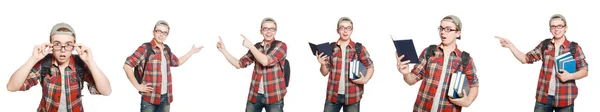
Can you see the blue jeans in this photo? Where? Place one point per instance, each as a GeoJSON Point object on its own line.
{"type": "Point", "coordinates": [162, 107]}
{"type": "Point", "coordinates": [260, 104]}
{"type": "Point", "coordinates": [337, 106]}
{"type": "Point", "coordinates": [549, 106]}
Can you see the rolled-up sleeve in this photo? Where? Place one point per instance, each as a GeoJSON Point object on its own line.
{"type": "Point", "coordinates": [534, 55]}
{"type": "Point", "coordinates": [134, 59]}
{"type": "Point", "coordinates": [91, 83]}
{"type": "Point", "coordinates": [277, 54]}
{"type": "Point", "coordinates": [32, 78]}
{"type": "Point", "coordinates": [419, 69]}
{"type": "Point", "coordinates": [470, 72]}
{"type": "Point", "coordinates": [246, 60]}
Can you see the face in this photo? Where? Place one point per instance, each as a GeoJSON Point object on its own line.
{"type": "Point", "coordinates": [268, 30]}
{"type": "Point", "coordinates": [62, 47]}
{"type": "Point", "coordinates": [160, 33]}
{"type": "Point", "coordinates": [448, 32]}
{"type": "Point", "coordinates": [345, 30]}
{"type": "Point", "coordinates": [558, 28]}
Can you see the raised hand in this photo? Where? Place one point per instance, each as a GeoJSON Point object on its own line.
{"type": "Point", "coordinates": [220, 44]}
{"type": "Point", "coordinates": [323, 59]}
{"type": "Point", "coordinates": [504, 42]}
{"type": "Point", "coordinates": [84, 52]}
{"type": "Point", "coordinates": [402, 65]}
{"type": "Point", "coordinates": [246, 42]}
{"type": "Point", "coordinates": [196, 49]}
{"type": "Point", "coordinates": [40, 51]}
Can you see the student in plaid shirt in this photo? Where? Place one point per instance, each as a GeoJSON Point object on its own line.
{"type": "Point", "coordinates": [156, 85]}
{"type": "Point", "coordinates": [267, 87]}
{"type": "Point", "coordinates": [343, 92]}
{"type": "Point", "coordinates": [556, 89]}
{"type": "Point", "coordinates": [436, 71]}
{"type": "Point", "coordinates": [60, 87]}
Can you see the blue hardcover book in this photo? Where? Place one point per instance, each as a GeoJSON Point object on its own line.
{"type": "Point", "coordinates": [569, 66]}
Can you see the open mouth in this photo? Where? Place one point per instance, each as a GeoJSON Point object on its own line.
{"type": "Point", "coordinates": [62, 57]}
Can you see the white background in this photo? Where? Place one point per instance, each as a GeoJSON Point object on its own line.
{"type": "Point", "coordinates": [208, 83]}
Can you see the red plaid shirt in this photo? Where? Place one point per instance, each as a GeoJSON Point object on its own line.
{"type": "Point", "coordinates": [353, 92]}
{"type": "Point", "coordinates": [430, 72]}
{"type": "Point", "coordinates": [566, 92]}
{"type": "Point", "coordinates": [52, 87]}
{"type": "Point", "coordinates": [274, 80]}
{"type": "Point", "coordinates": [152, 73]}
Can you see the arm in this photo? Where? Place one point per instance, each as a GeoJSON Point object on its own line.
{"type": "Point", "coordinates": [98, 83]}
{"type": "Point", "coordinates": [531, 56]}
{"type": "Point", "coordinates": [365, 59]}
{"type": "Point", "coordinates": [325, 69]}
{"type": "Point", "coordinates": [24, 78]}
{"type": "Point", "coordinates": [259, 56]}
{"type": "Point", "coordinates": [518, 54]}
{"type": "Point", "coordinates": [245, 60]}
{"type": "Point", "coordinates": [185, 57]}
{"type": "Point", "coordinates": [418, 70]}
{"type": "Point", "coordinates": [470, 72]}
{"type": "Point", "coordinates": [472, 95]}
{"type": "Point", "coordinates": [132, 61]}
{"type": "Point", "coordinates": [582, 68]}
{"type": "Point", "coordinates": [272, 58]}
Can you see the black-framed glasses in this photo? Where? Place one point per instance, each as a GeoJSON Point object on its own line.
{"type": "Point", "coordinates": [341, 28]}
{"type": "Point", "coordinates": [557, 26]}
{"type": "Point", "coordinates": [268, 29]}
{"type": "Point", "coordinates": [446, 29]}
{"type": "Point", "coordinates": [58, 47]}
{"type": "Point", "coordinates": [165, 33]}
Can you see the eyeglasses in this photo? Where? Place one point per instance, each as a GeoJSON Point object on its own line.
{"type": "Point", "coordinates": [557, 26]}
{"type": "Point", "coordinates": [268, 29]}
{"type": "Point", "coordinates": [341, 28]}
{"type": "Point", "coordinates": [164, 33]}
{"type": "Point", "coordinates": [446, 29]}
{"type": "Point", "coordinates": [58, 47]}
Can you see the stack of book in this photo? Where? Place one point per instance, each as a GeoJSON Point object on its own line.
{"type": "Point", "coordinates": [458, 83]}
{"type": "Point", "coordinates": [565, 62]}
{"type": "Point", "coordinates": [357, 69]}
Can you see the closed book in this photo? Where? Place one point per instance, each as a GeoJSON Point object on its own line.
{"type": "Point", "coordinates": [406, 47]}
{"type": "Point", "coordinates": [569, 66]}
{"type": "Point", "coordinates": [356, 69]}
{"type": "Point", "coordinates": [458, 83]}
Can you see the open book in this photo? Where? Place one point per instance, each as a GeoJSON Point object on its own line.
{"type": "Point", "coordinates": [458, 83]}
{"type": "Point", "coordinates": [324, 48]}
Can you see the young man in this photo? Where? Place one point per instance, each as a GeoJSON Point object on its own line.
{"type": "Point", "coordinates": [436, 71]}
{"type": "Point", "coordinates": [342, 92]}
{"type": "Point", "coordinates": [556, 89]}
{"type": "Point", "coordinates": [267, 87]}
{"type": "Point", "coordinates": [155, 60]}
{"type": "Point", "coordinates": [60, 73]}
